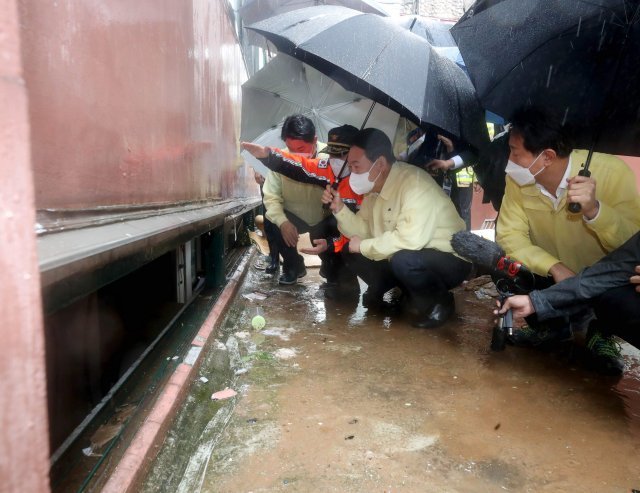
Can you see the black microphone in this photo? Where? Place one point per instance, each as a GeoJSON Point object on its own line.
{"type": "Point", "coordinates": [509, 276]}
{"type": "Point", "coordinates": [477, 249]}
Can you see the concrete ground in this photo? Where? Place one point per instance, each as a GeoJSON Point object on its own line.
{"type": "Point", "coordinates": [333, 398]}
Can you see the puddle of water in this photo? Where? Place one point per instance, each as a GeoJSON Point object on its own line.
{"type": "Point", "coordinates": [369, 403]}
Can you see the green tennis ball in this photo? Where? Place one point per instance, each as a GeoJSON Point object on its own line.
{"type": "Point", "coordinates": [258, 322]}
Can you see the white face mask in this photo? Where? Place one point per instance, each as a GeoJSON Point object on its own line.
{"type": "Point", "coordinates": [336, 165]}
{"type": "Point", "coordinates": [360, 183]}
{"type": "Point", "coordinates": [522, 176]}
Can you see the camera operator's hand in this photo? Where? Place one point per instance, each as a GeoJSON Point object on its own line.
{"type": "Point", "coordinates": [520, 306]}
{"type": "Point", "coordinates": [636, 279]}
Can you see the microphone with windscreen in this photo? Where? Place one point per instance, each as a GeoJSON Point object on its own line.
{"type": "Point", "coordinates": [510, 276]}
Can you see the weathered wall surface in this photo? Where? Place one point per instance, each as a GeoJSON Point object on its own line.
{"type": "Point", "coordinates": [24, 444]}
{"type": "Point", "coordinates": [132, 102]}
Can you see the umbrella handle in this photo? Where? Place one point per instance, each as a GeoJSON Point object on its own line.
{"type": "Point", "coordinates": [575, 207]}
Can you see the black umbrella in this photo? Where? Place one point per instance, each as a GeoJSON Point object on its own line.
{"type": "Point", "coordinates": [579, 57]}
{"type": "Point", "coordinates": [435, 32]}
{"type": "Point", "coordinates": [374, 57]}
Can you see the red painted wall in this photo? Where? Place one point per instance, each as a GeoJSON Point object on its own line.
{"type": "Point", "coordinates": [132, 102]}
{"type": "Point", "coordinates": [24, 442]}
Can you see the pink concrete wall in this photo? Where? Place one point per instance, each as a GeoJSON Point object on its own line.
{"type": "Point", "coordinates": [24, 443]}
{"type": "Point", "coordinates": [634, 164]}
{"type": "Point", "coordinates": [132, 102]}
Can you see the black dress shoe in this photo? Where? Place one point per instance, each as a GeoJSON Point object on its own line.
{"type": "Point", "coordinates": [291, 276]}
{"type": "Point", "coordinates": [441, 311]}
{"type": "Point", "coordinates": [273, 267]}
{"type": "Point", "coordinates": [288, 277]}
{"type": "Point", "coordinates": [372, 298]}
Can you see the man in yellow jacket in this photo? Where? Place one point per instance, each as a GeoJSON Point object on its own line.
{"type": "Point", "coordinates": [401, 236]}
{"type": "Point", "coordinates": [535, 225]}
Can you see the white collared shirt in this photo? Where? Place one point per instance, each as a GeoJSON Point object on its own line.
{"type": "Point", "coordinates": [560, 191]}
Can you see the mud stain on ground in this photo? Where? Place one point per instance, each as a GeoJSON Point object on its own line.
{"type": "Point", "coordinates": [364, 402]}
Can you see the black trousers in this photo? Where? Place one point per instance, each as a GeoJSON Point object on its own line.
{"type": "Point", "coordinates": [272, 231]}
{"type": "Point", "coordinates": [618, 313]}
{"type": "Point", "coordinates": [291, 259]}
{"type": "Point", "coordinates": [424, 275]}
{"type": "Point", "coordinates": [462, 198]}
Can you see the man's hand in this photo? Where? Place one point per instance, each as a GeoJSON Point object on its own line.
{"type": "Point", "coordinates": [258, 178]}
{"type": "Point", "coordinates": [560, 272]}
{"type": "Point", "coordinates": [256, 150]}
{"type": "Point", "coordinates": [354, 244]}
{"type": "Point", "coordinates": [520, 306]}
{"type": "Point", "coordinates": [332, 197]}
{"type": "Point", "coordinates": [636, 279]}
{"type": "Point", "coordinates": [439, 164]}
{"type": "Point", "coordinates": [582, 190]}
{"type": "Point", "coordinates": [320, 246]}
{"type": "Point", "coordinates": [448, 143]}
{"type": "Point", "coordinates": [289, 233]}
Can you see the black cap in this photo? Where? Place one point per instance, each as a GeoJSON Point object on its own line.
{"type": "Point", "coordinates": [339, 139]}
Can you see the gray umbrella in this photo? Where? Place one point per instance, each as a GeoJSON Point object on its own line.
{"type": "Point", "coordinates": [286, 86]}
{"type": "Point", "coordinates": [257, 10]}
{"type": "Point", "coordinates": [374, 57]}
{"type": "Point", "coordinates": [435, 32]}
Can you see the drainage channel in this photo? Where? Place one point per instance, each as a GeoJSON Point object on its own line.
{"type": "Point", "coordinates": [86, 459]}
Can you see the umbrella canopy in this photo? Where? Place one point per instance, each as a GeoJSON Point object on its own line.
{"type": "Point", "coordinates": [257, 10]}
{"type": "Point", "coordinates": [576, 56]}
{"type": "Point", "coordinates": [374, 57]}
{"type": "Point", "coordinates": [435, 32]}
{"type": "Point", "coordinates": [286, 86]}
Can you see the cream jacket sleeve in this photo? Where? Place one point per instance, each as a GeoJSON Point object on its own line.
{"type": "Point", "coordinates": [273, 199]}
{"type": "Point", "coordinates": [356, 224]}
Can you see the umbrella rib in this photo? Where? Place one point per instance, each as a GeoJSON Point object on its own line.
{"type": "Point", "coordinates": [375, 60]}
{"type": "Point", "coordinates": [283, 98]}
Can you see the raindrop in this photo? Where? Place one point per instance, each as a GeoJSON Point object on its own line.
{"type": "Point", "coordinates": [549, 75]}
{"type": "Point", "coordinates": [579, 26]}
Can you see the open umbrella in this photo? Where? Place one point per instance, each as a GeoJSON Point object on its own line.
{"type": "Point", "coordinates": [372, 56]}
{"type": "Point", "coordinates": [579, 57]}
{"type": "Point", "coordinates": [435, 32]}
{"type": "Point", "coordinates": [257, 10]}
{"type": "Point", "coordinates": [286, 86]}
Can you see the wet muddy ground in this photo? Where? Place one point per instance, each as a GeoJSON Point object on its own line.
{"type": "Point", "coordinates": [333, 398]}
